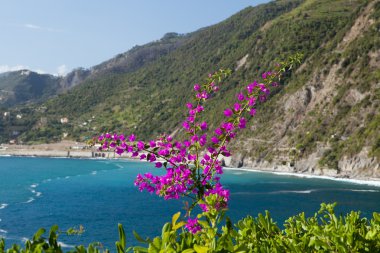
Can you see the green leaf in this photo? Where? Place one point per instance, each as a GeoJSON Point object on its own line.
{"type": "Point", "coordinates": [156, 244]}
{"type": "Point", "coordinates": [204, 223]}
{"type": "Point", "coordinates": [200, 249]}
{"type": "Point", "coordinates": [139, 238]}
{"type": "Point", "coordinates": [179, 225]}
{"type": "Point", "coordinates": [122, 239]}
{"type": "Point", "coordinates": [371, 235]}
{"type": "Point", "coordinates": [175, 218]}
{"type": "Point", "coordinates": [376, 217]}
{"type": "Point", "coordinates": [140, 249]}
{"type": "Point", "coordinates": [166, 228]}
{"type": "Point", "coordinates": [38, 234]}
{"type": "Point", "coordinates": [188, 251]}
{"type": "Point", "coordinates": [119, 247]}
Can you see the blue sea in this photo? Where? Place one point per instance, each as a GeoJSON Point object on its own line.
{"type": "Point", "coordinates": [99, 194]}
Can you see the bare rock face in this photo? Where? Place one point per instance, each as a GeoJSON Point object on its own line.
{"type": "Point", "coordinates": [74, 78]}
{"type": "Point", "coordinates": [236, 161]}
{"type": "Point", "coordinates": [299, 100]}
{"type": "Point", "coordinates": [360, 166]}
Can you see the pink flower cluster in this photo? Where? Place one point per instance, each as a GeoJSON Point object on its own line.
{"type": "Point", "coordinates": [193, 226]}
{"type": "Point", "coordinates": [193, 165]}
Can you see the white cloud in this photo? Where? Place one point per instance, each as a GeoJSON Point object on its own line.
{"type": "Point", "coordinates": [7, 68]}
{"type": "Point", "coordinates": [62, 70]}
{"type": "Point", "coordinates": [37, 27]}
{"type": "Point", "coordinates": [31, 26]}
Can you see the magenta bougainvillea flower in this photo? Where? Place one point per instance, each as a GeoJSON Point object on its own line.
{"type": "Point", "coordinates": [193, 165]}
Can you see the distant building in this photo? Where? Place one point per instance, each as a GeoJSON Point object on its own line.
{"type": "Point", "coordinates": [7, 114]}
{"type": "Point", "coordinates": [19, 116]}
{"type": "Point", "coordinates": [64, 120]}
{"type": "Point", "coordinates": [12, 141]}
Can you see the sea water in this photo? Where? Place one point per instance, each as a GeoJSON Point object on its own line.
{"type": "Point", "coordinates": [99, 194]}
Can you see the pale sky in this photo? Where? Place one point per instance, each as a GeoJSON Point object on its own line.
{"type": "Point", "coordinates": [55, 36]}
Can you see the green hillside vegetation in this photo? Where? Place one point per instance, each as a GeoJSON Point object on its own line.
{"type": "Point", "coordinates": [26, 86]}
{"type": "Point", "coordinates": [329, 103]}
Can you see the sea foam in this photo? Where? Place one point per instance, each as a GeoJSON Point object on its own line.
{"type": "Point", "coordinates": [31, 199]}
{"type": "Point", "coordinates": [3, 205]}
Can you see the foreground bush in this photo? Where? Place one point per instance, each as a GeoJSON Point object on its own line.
{"type": "Point", "coordinates": [323, 232]}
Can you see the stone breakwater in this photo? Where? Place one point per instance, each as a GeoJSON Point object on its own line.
{"type": "Point", "coordinates": [62, 149]}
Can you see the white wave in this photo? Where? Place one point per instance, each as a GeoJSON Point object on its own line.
{"type": "Point", "coordinates": [38, 194]}
{"type": "Point", "coordinates": [5, 155]}
{"type": "Point", "coordinates": [31, 199]}
{"type": "Point", "coordinates": [298, 192]}
{"type": "Point", "coordinates": [274, 192]}
{"type": "Point", "coordinates": [67, 177]}
{"type": "Point", "coordinates": [33, 185]}
{"type": "Point", "coordinates": [2, 231]}
{"type": "Point", "coordinates": [3, 205]}
{"type": "Point", "coordinates": [238, 173]}
{"type": "Point", "coordinates": [64, 245]}
{"type": "Point", "coordinates": [33, 191]}
{"type": "Point", "coordinates": [94, 172]}
{"type": "Point", "coordinates": [355, 190]}
{"type": "Point", "coordinates": [374, 182]}
{"type": "Point", "coordinates": [46, 180]}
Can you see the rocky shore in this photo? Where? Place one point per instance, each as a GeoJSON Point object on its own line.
{"type": "Point", "coordinates": [360, 167]}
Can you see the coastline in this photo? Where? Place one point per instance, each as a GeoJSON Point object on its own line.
{"type": "Point", "coordinates": [69, 149]}
{"type": "Point", "coordinates": [362, 181]}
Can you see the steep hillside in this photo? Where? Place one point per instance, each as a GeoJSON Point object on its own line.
{"type": "Point", "coordinates": [324, 119]}
{"type": "Point", "coordinates": [26, 86]}
{"type": "Point", "coordinates": [327, 119]}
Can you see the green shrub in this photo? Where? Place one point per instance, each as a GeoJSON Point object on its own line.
{"type": "Point", "coordinates": [322, 232]}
